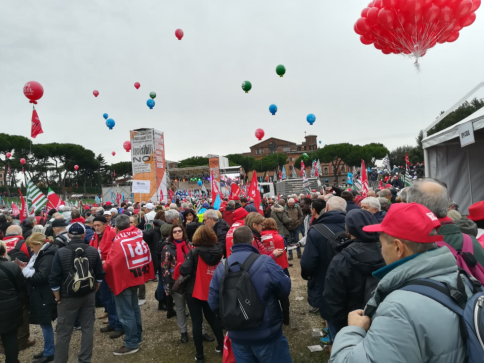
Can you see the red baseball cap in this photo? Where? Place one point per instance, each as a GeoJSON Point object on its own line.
{"type": "Point", "coordinates": [240, 213]}
{"type": "Point", "coordinates": [409, 221]}
{"type": "Point", "coordinates": [476, 211]}
{"type": "Point", "coordinates": [108, 203]}
{"type": "Point", "coordinates": [388, 186]}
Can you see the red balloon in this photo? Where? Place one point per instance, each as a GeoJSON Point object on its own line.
{"type": "Point", "coordinates": [457, 27]}
{"type": "Point", "coordinates": [402, 5]}
{"type": "Point", "coordinates": [127, 146]}
{"type": "Point", "coordinates": [467, 20]}
{"type": "Point", "coordinates": [136, 85]}
{"type": "Point", "coordinates": [259, 133]}
{"type": "Point", "coordinates": [8, 155]}
{"type": "Point", "coordinates": [372, 16]}
{"type": "Point", "coordinates": [453, 37]}
{"type": "Point", "coordinates": [386, 18]}
{"type": "Point", "coordinates": [364, 12]}
{"type": "Point", "coordinates": [357, 31]}
{"type": "Point", "coordinates": [378, 46]}
{"type": "Point", "coordinates": [95, 93]}
{"type": "Point", "coordinates": [390, 4]}
{"type": "Point", "coordinates": [475, 5]}
{"type": "Point", "coordinates": [378, 4]}
{"type": "Point", "coordinates": [409, 28]}
{"type": "Point", "coordinates": [414, 6]}
{"type": "Point", "coordinates": [33, 91]}
{"type": "Point", "coordinates": [76, 167]}
{"type": "Point", "coordinates": [431, 13]}
{"type": "Point", "coordinates": [426, 3]}
{"type": "Point", "coordinates": [463, 8]}
{"type": "Point", "coordinates": [446, 14]}
{"type": "Point", "coordinates": [114, 153]}
{"type": "Point", "coordinates": [386, 51]}
{"type": "Point", "coordinates": [439, 3]}
{"type": "Point", "coordinates": [179, 34]}
{"type": "Point", "coordinates": [22, 161]}
{"type": "Point", "coordinates": [362, 25]}
{"type": "Point", "coordinates": [365, 41]}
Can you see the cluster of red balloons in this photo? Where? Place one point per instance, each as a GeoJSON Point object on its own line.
{"type": "Point", "coordinates": [412, 27]}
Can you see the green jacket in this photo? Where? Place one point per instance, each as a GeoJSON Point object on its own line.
{"type": "Point", "coordinates": [453, 236]}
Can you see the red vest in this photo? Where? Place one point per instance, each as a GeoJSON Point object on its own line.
{"type": "Point", "coordinates": [202, 279]}
{"type": "Point", "coordinates": [271, 241]}
{"type": "Point", "coordinates": [129, 261]}
{"type": "Point", "coordinates": [229, 239]}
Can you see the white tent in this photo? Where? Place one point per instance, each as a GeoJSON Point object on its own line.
{"type": "Point", "coordinates": [461, 168]}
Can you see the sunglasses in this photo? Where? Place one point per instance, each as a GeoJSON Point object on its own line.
{"type": "Point", "coordinates": [178, 231]}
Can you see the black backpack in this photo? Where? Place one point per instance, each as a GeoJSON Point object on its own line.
{"type": "Point", "coordinates": [80, 280]}
{"type": "Point", "coordinates": [338, 241]}
{"type": "Point", "coordinates": [17, 253]}
{"type": "Point", "coordinates": [240, 307]}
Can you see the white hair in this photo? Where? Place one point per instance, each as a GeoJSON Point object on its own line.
{"type": "Point", "coordinates": [173, 206]}
{"type": "Point", "coordinates": [171, 215]}
{"type": "Point", "coordinates": [291, 200]}
{"type": "Point", "coordinates": [131, 209]}
{"type": "Point", "coordinates": [38, 228]}
{"type": "Point", "coordinates": [336, 203]}
{"type": "Point", "coordinates": [372, 202]}
{"type": "Point", "coordinates": [328, 196]}
{"type": "Point", "coordinates": [211, 213]}
{"type": "Point", "coordinates": [67, 209]}
{"type": "Point", "coordinates": [185, 205]}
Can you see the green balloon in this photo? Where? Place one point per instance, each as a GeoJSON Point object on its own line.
{"type": "Point", "coordinates": [280, 70]}
{"type": "Point", "coordinates": [246, 86]}
{"type": "Point", "coordinates": [153, 95]}
{"type": "Point", "coordinates": [305, 156]}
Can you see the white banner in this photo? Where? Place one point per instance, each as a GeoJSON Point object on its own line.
{"type": "Point", "coordinates": [140, 186]}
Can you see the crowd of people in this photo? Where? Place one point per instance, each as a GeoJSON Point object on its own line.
{"type": "Point", "coordinates": [230, 270]}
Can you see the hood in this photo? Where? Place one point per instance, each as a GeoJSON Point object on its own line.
{"type": "Point", "coordinates": [211, 255]}
{"type": "Point", "coordinates": [467, 226]}
{"type": "Point", "coordinates": [364, 256]}
{"type": "Point", "coordinates": [331, 217]}
{"type": "Point", "coordinates": [277, 208]}
{"type": "Point", "coordinates": [50, 249]}
{"type": "Point", "coordinates": [356, 219]}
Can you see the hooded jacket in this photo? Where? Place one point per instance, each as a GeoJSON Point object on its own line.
{"type": "Point", "coordinates": [315, 259]}
{"type": "Point", "coordinates": [349, 274]}
{"type": "Point", "coordinates": [380, 215]}
{"type": "Point", "coordinates": [282, 219]}
{"type": "Point", "coordinates": [453, 236]}
{"type": "Point", "coordinates": [210, 254]}
{"type": "Point", "coordinates": [228, 216]}
{"type": "Point", "coordinates": [406, 326]}
{"type": "Point", "coordinates": [467, 226]}
{"type": "Point", "coordinates": [271, 285]}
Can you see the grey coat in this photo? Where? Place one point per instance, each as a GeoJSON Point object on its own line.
{"type": "Point", "coordinates": [279, 214]}
{"type": "Point", "coordinates": [407, 326]}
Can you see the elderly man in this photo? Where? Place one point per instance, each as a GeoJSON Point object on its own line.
{"type": "Point", "coordinates": [149, 213]}
{"type": "Point", "coordinates": [114, 215]}
{"type": "Point", "coordinates": [373, 206]}
{"type": "Point", "coordinates": [386, 193]}
{"type": "Point", "coordinates": [29, 223]}
{"type": "Point", "coordinates": [68, 307]}
{"type": "Point", "coordinates": [435, 197]}
{"type": "Point", "coordinates": [399, 325]}
{"type": "Point", "coordinates": [107, 215]}
{"type": "Point", "coordinates": [371, 193]}
{"type": "Point", "coordinates": [219, 226]}
{"type": "Point", "coordinates": [61, 238]}
{"type": "Point", "coordinates": [318, 254]}
{"type": "Point", "coordinates": [172, 217]}
{"type": "Point", "coordinates": [384, 204]}
{"type": "Point", "coordinates": [295, 214]}
{"type": "Point", "coordinates": [404, 194]}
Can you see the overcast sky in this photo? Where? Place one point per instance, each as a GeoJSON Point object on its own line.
{"type": "Point", "coordinates": [358, 94]}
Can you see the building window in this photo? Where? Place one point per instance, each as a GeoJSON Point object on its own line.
{"type": "Point", "coordinates": [291, 159]}
{"type": "Point", "coordinates": [1, 182]}
{"type": "Point", "coordinates": [286, 149]}
{"type": "Point", "coordinates": [326, 171]}
{"type": "Point", "coordinates": [259, 151]}
{"type": "Point", "coordinates": [272, 147]}
{"type": "Point", "coordinates": [1, 175]}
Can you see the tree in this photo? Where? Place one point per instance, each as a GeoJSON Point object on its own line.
{"type": "Point", "coordinates": [123, 169]}
{"type": "Point", "coordinates": [193, 161]}
{"type": "Point", "coordinates": [248, 163]}
{"type": "Point", "coordinates": [12, 144]}
{"type": "Point", "coordinates": [460, 113]}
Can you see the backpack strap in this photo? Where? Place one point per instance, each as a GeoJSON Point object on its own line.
{"type": "Point", "coordinates": [325, 232]}
{"type": "Point", "coordinates": [19, 243]}
{"type": "Point", "coordinates": [250, 261]}
{"type": "Point", "coordinates": [452, 249]}
{"type": "Point", "coordinates": [467, 244]}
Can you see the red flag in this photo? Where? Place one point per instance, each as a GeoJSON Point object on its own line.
{"type": "Point", "coordinates": [36, 125]}
{"type": "Point", "coordinates": [23, 210]}
{"type": "Point", "coordinates": [364, 180]}
{"type": "Point", "coordinates": [170, 194]}
{"type": "Point", "coordinates": [15, 210]}
{"type": "Point", "coordinates": [215, 189]}
{"type": "Point", "coordinates": [407, 161]}
{"type": "Point", "coordinates": [303, 168]}
{"type": "Point", "coordinates": [380, 186]}
{"type": "Point", "coordinates": [234, 191]}
{"type": "Point", "coordinates": [114, 173]}
{"type": "Point", "coordinates": [255, 194]}
{"type": "Point", "coordinates": [53, 200]}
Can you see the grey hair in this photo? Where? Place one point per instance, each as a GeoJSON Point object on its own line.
{"type": "Point", "coordinates": [131, 209]}
{"type": "Point", "coordinates": [328, 197]}
{"type": "Point", "coordinates": [90, 219]}
{"type": "Point", "coordinates": [372, 202]}
{"type": "Point", "coordinates": [291, 200]}
{"type": "Point", "coordinates": [383, 203]}
{"type": "Point", "coordinates": [38, 228]}
{"type": "Point", "coordinates": [314, 195]}
{"type": "Point", "coordinates": [385, 193]}
{"type": "Point", "coordinates": [171, 215]}
{"type": "Point", "coordinates": [122, 222]}
{"type": "Point", "coordinates": [100, 209]}
{"type": "Point", "coordinates": [67, 209]}
{"type": "Point", "coordinates": [75, 213]}
{"type": "Point", "coordinates": [415, 247]}
{"type": "Point", "coordinates": [437, 202]}
{"type": "Point", "coordinates": [29, 221]}
{"type": "Point", "coordinates": [336, 203]}
{"type": "Point", "coordinates": [404, 194]}
{"type": "Point", "coordinates": [13, 230]}
{"type": "Point", "coordinates": [185, 205]}
{"type": "Point", "coordinates": [243, 234]}
{"type": "Point", "coordinates": [173, 206]}
{"type": "Point", "coordinates": [211, 213]}
{"type": "Point", "coordinates": [231, 203]}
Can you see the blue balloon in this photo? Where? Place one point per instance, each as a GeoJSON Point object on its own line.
{"type": "Point", "coordinates": [273, 109]}
{"type": "Point", "coordinates": [110, 123]}
{"type": "Point", "coordinates": [105, 116]}
{"type": "Point", "coordinates": [150, 103]}
{"type": "Point", "coordinates": [325, 180]}
{"type": "Point", "coordinates": [199, 183]}
{"type": "Point", "coordinates": [320, 141]}
{"type": "Point", "coordinates": [311, 118]}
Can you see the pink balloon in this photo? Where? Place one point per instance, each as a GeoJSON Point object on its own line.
{"type": "Point", "coordinates": [463, 8]}
{"type": "Point", "coordinates": [431, 13]}
{"type": "Point", "coordinates": [113, 153]}
{"type": "Point", "coordinates": [33, 91]}
{"type": "Point", "coordinates": [475, 5]}
{"type": "Point", "coordinates": [127, 146]}
{"type": "Point", "coordinates": [179, 34]}
{"type": "Point", "coordinates": [259, 133]}
{"type": "Point", "coordinates": [22, 161]}
{"type": "Point", "coordinates": [453, 37]}
{"type": "Point", "coordinates": [8, 155]}
{"type": "Point", "coordinates": [76, 167]}
{"type": "Point", "coordinates": [95, 93]}
{"type": "Point", "coordinates": [468, 19]}
{"type": "Point", "coordinates": [136, 85]}
{"type": "Point", "coordinates": [446, 14]}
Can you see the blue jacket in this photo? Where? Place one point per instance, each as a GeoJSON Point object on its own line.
{"type": "Point", "coordinates": [89, 234]}
{"type": "Point", "coordinates": [351, 205]}
{"type": "Point", "coordinates": [271, 285]}
{"type": "Point", "coordinates": [315, 260]}
{"type": "Point", "coordinates": [250, 207]}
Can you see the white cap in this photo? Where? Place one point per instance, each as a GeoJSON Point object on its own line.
{"type": "Point", "coordinates": [113, 210]}
{"type": "Point", "coordinates": [106, 212]}
{"type": "Point", "coordinates": [149, 206]}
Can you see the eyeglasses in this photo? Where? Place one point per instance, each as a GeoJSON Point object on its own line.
{"type": "Point", "coordinates": [178, 231]}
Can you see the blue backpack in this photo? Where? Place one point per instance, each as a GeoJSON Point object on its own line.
{"type": "Point", "coordinates": [470, 311]}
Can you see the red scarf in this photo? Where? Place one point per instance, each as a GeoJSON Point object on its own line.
{"type": "Point", "coordinates": [181, 251]}
{"type": "Point", "coordinates": [80, 220]}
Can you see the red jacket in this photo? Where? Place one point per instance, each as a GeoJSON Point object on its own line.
{"type": "Point", "coordinates": [129, 261]}
{"type": "Point", "coordinates": [106, 241]}
{"type": "Point", "coordinates": [228, 217]}
{"type": "Point", "coordinates": [229, 238]}
{"type": "Point", "coordinates": [272, 240]}
{"type": "Point", "coordinates": [11, 242]}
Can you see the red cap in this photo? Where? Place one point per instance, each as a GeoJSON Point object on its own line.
{"type": "Point", "coordinates": [388, 186]}
{"type": "Point", "coordinates": [240, 213]}
{"type": "Point", "coordinates": [476, 211]}
{"type": "Point", "coordinates": [108, 203]}
{"type": "Point", "coordinates": [412, 222]}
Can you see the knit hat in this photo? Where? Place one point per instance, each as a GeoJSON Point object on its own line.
{"type": "Point", "coordinates": [59, 223]}
{"type": "Point", "coordinates": [100, 219]}
{"type": "Point", "coordinates": [240, 213]}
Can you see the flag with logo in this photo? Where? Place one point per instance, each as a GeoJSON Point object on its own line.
{"type": "Point", "coordinates": [15, 209]}
{"type": "Point", "coordinates": [313, 169]}
{"type": "Point", "coordinates": [36, 200]}
{"type": "Point", "coordinates": [36, 125]}
{"type": "Point", "coordinates": [408, 178]}
{"type": "Point", "coordinates": [23, 209]}
{"type": "Point", "coordinates": [254, 193]}
{"type": "Point", "coordinates": [305, 185]}
{"type": "Point", "coordinates": [293, 173]}
{"type": "Point", "coordinates": [234, 191]}
{"type": "Point", "coordinates": [216, 200]}
{"type": "Point", "coordinates": [320, 171]}
{"type": "Point", "coordinates": [350, 178]}
{"type": "Point", "coordinates": [386, 164]}
{"type": "Point", "coordinates": [303, 169]}
{"type": "Point", "coordinates": [54, 201]}
{"type": "Point", "coordinates": [364, 180]}
{"type": "Point", "coordinates": [284, 176]}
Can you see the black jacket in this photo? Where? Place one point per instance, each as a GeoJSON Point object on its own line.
{"type": "Point", "coordinates": [316, 259]}
{"type": "Point", "coordinates": [61, 240]}
{"type": "Point", "coordinates": [221, 228]}
{"type": "Point", "coordinates": [380, 215]}
{"type": "Point", "coordinates": [61, 265]}
{"type": "Point", "coordinates": [26, 231]}
{"type": "Point", "coordinates": [152, 237]}
{"type": "Point", "coordinates": [43, 308]}
{"type": "Point", "coordinates": [4, 226]}
{"type": "Point", "coordinates": [350, 205]}
{"type": "Point", "coordinates": [210, 254]}
{"type": "Point", "coordinates": [12, 295]}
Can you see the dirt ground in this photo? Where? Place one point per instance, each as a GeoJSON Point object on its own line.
{"type": "Point", "coordinates": [161, 337]}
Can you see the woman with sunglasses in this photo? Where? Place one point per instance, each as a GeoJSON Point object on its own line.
{"type": "Point", "coordinates": [174, 253]}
